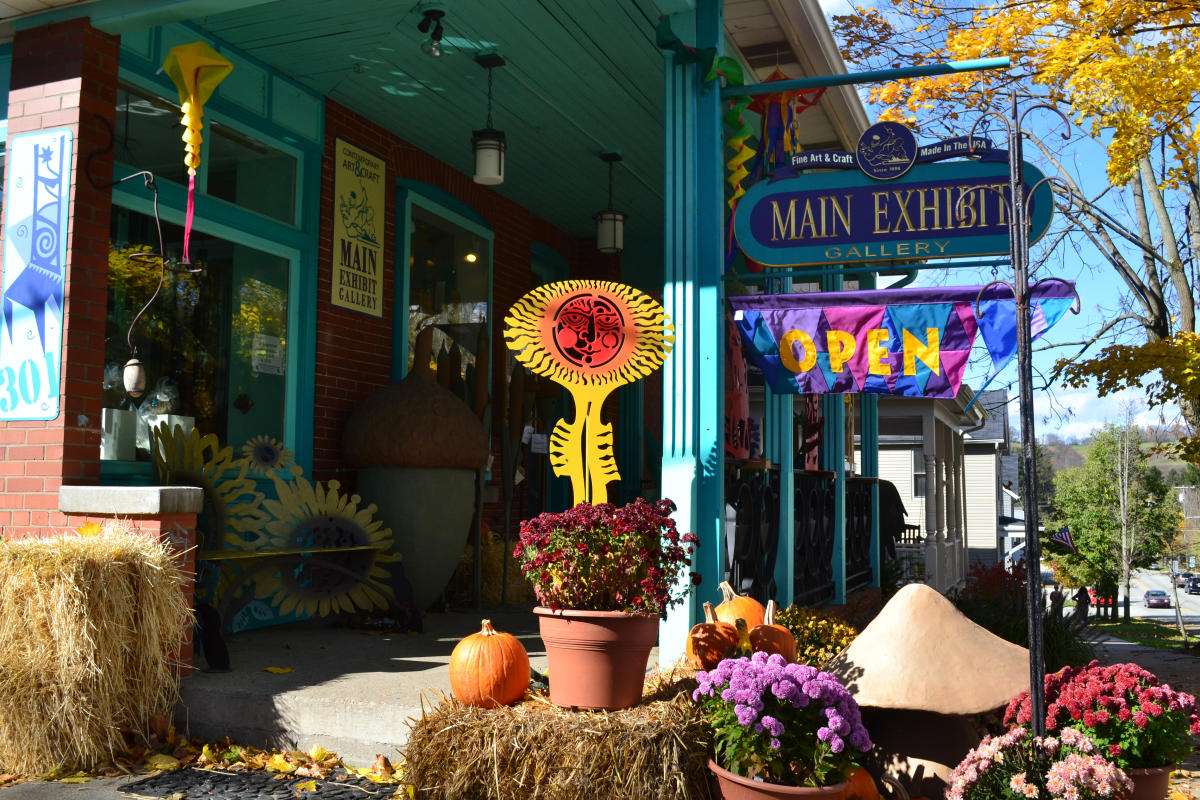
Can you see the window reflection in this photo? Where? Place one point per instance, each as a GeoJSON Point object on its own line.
{"type": "Point", "coordinates": [449, 270]}
{"type": "Point", "coordinates": [213, 342]}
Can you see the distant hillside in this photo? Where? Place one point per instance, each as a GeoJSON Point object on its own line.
{"type": "Point", "coordinates": [1068, 456]}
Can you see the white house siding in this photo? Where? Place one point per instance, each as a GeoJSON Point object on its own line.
{"type": "Point", "coordinates": [895, 465]}
{"type": "Point", "coordinates": [981, 500]}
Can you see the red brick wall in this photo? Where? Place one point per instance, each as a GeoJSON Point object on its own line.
{"type": "Point", "coordinates": [65, 75]}
{"type": "Point", "coordinates": [354, 351]}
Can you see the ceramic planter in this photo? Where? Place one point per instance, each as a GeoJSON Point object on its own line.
{"type": "Point", "coordinates": [1150, 783]}
{"type": "Point", "coordinates": [597, 659]}
{"type": "Point", "coordinates": [734, 787]}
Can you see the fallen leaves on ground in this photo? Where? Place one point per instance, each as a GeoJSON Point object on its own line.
{"type": "Point", "coordinates": [277, 670]}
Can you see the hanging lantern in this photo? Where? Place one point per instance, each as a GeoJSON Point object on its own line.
{"type": "Point", "coordinates": [488, 143]}
{"type": "Point", "coordinates": [610, 224]}
{"type": "Point", "coordinates": [133, 377]}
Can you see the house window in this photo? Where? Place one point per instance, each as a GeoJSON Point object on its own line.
{"type": "Point", "coordinates": [918, 470]}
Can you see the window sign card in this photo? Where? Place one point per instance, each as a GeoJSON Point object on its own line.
{"type": "Point", "coordinates": [358, 223]}
{"type": "Point", "coordinates": [36, 201]}
{"type": "Point", "coordinates": [266, 358]}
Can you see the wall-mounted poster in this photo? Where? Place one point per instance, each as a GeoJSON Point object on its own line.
{"type": "Point", "coordinates": [358, 223]}
{"type": "Point", "coordinates": [36, 201]}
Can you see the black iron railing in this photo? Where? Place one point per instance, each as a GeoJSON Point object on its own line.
{"type": "Point", "coordinates": [752, 541]}
{"type": "Point", "coordinates": [813, 580]}
{"type": "Point", "coordinates": [858, 532]}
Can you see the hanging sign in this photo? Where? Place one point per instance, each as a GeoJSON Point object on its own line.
{"type": "Point", "coordinates": [358, 217]}
{"type": "Point", "coordinates": [932, 211]}
{"type": "Point", "coordinates": [912, 342]}
{"type": "Point", "coordinates": [36, 207]}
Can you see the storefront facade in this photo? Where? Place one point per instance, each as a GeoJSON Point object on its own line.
{"type": "Point", "coordinates": [277, 328]}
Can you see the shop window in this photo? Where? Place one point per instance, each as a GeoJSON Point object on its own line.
{"type": "Point", "coordinates": [214, 341]}
{"type": "Point", "coordinates": [235, 167]}
{"type": "Point", "coordinates": [918, 470]}
{"type": "Point", "coordinates": [252, 174]}
{"type": "Point", "coordinates": [449, 271]}
{"type": "Point", "coordinates": [147, 134]}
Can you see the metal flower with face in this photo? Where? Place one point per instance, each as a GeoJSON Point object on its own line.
{"type": "Point", "coordinates": [590, 337]}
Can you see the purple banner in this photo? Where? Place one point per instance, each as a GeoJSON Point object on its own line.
{"type": "Point", "coordinates": [912, 342]}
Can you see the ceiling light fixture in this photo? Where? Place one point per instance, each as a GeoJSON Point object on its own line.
{"type": "Point", "coordinates": [610, 224]}
{"type": "Point", "coordinates": [431, 23]}
{"type": "Point", "coordinates": [488, 143]}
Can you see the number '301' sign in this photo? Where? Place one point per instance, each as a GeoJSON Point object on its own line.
{"type": "Point", "coordinates": [36, 201]}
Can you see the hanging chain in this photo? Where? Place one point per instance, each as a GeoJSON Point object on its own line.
{"type": "Point", "coordinates": [489, 117]}
{"type": "Point", "coordinates": [610, 185]}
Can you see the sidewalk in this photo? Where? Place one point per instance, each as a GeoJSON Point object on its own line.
{"type": "Point", "coordinates": [356, 689]}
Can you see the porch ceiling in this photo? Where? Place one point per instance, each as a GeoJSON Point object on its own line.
{"type": "Point", "coordinates": [581, 78]}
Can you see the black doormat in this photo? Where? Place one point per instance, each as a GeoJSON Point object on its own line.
{"type": "Point", "coordinates": [206, 784]}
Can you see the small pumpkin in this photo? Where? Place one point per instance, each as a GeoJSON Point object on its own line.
{"type": "Point", "coordinates": [710, 641]}
{"type": "Point", "coordinates": [489, 668]}
{"type": "Point", "coordinates": [772, 638]}
{"type": "Point", "coordinates": [736, 606]}
{"type": "Point", "coordinates": [860, 786]}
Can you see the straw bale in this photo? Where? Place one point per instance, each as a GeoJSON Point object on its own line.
{"type": "Point", "coordinates": [536, 751]}
{"type": "Point", "coordinates": [91, 627]}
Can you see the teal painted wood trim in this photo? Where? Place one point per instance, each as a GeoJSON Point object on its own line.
{"type": "Point", "coordinates": [446, 201]}
{"type": "Point", "coordinates": [693, 450]}
{"type": "Point", "coordinates": [126, 473]}
{"type": "Point", "coordinates": [780, 447]}
{"type": "Point", "coordinates": [631, 444]}
{"type": "Point", "coordinates": [869, 76]}
{"type": "Point", "coordinates": [411, 193]}
{"type": "Point", "coordinates": [119, 16]}
{"type": "Point", "coordinates": [833, 459]}
{"type": "Point", "coordinates": [869, 447]}
{"type": "Point", "coordinates": [5, 79]}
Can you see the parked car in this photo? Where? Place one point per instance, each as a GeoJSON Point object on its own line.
{"type": "Point", "coordinates": [1103, 601]}
{"type": "Point", "coordinates": [1156, 598]}
{"type": "Point", "coordinates": [1193, 586]}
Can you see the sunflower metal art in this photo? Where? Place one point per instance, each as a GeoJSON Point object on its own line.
{"type": "Point", "coordinates": [337, 552]}
{"type": "Point", "coordinates": [590, 337]}
{"type": "Point", "coordinates": [233, 517]}
{"type": "Point", "coordinates": [267, 455]}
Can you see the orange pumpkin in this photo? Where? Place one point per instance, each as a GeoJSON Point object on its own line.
{"type": "Point", "coordinates": [772, 638]}
{"type": "Point", "coordinates": [710, 641]}
{"type": "Point", "coordinates": [737, 606]}
{"type": "Point", "coordinates": [861, 785]}
{"type": "Point", "coordinates": [489, 668]}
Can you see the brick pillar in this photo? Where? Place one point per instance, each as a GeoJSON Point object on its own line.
{"type": "Point", "coordinates": [65, 75]}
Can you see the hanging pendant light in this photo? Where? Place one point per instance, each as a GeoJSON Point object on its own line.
{"type": "Point", "coordinates": [488, 143]}
{"type": "Point", "coordinates": [610, 224]}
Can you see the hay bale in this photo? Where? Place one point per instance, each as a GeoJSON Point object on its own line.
{"type": "Point", "coordinates": [535, 750]}
{"type": "Point", "coordinates": [91, 626]}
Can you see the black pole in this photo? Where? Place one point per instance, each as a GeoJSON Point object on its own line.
{"type": "Point", "coordinates": [1019, 243]}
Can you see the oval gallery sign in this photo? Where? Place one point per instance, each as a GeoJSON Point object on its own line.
{"type": "Point", "coordinates": [935, 211]}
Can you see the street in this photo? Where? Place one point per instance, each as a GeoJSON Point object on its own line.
{"type": "Point", "coordinates": [1189, 604]}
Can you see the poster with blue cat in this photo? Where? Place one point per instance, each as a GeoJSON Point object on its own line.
{"type": "Point", "coordinates": [36, 203]}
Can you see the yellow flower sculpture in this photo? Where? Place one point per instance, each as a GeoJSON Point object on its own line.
{"type": "Point", "coordinates": [590, 337]}
{"type": "Point", "coordinates": [266, 455]}
{"type": "Point", "coordinates": [342, 570]}
{"type": "Point", "coordinates": [233, 516]}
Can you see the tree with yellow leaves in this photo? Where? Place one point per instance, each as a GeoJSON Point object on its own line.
{"type": "Point", "coordinates": [1127, 72]}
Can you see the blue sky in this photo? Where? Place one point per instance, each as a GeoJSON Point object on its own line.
{"type": "Point", "coordinates": [1070, 413]}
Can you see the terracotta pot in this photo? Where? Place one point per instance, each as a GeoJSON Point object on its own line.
{"type": "Point", "coordinates": [597, 659]}
{"type": "Point", "coordinates": [735, 787]}
{"type": "Point", "coordinates": [1150, 783]}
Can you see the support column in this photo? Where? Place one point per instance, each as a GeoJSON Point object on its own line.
{"type": "Point", "coordinates": [64, 75]}
{"type": "Point", "coordinates": [693, 380]}
{"type": "Point", "coordinates": [869, 447]}
{"type": "Point", "coordinates": [932, 545]}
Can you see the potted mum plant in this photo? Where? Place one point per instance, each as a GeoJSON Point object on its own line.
{"type": "Point", "coordinates": [604, 575]}
{"type": "Point", "coordinates": [781, 730]}
{"type": "Point", "coordinates": [1139, 724]}
{"type": "Point", "coordinates": [1017, 766]}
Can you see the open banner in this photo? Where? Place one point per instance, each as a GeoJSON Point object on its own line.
{"type": "Point", "coordinates": [912, 342]}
